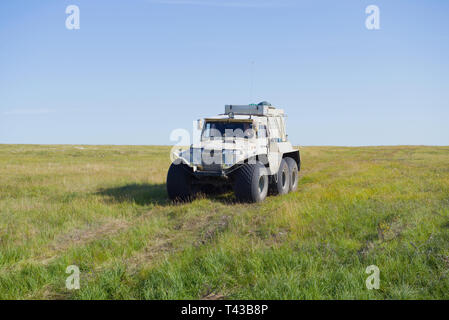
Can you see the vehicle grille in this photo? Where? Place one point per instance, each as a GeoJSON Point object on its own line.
{"type": "Point", "coordinates": [216, 156]}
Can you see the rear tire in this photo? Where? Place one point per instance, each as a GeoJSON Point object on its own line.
{"type": "Point", "coordinates": [251, 183]}
{"type": "Point", "coordinates": [282, 181]}
{"type": "Point", "coordinates": [179, 183]}
{"type": "Point", "coordinates": [293, 170]}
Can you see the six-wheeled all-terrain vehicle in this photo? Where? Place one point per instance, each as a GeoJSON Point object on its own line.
{"type": "Point", "coordinates": [246, 149]}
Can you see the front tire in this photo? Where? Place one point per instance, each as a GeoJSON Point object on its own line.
{"type": "Point", "coordinates": [251, 183]}
{"type": "Point", "coordinates": [293, 170]}
{"type": "Point", "coordinates": [179, 182]}
{"type": "Point", "coordinates": [282, 181]}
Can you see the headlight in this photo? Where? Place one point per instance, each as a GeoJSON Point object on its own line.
{"type": "Point", "coordinates": [195, 156]}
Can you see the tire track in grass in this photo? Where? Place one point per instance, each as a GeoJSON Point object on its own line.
{"type": "Point", "coordinates": [75, 238]}
{"type": "Point", "coordinates": [185, 227]}
{"type": "Point", "coordinates": [82, 236]}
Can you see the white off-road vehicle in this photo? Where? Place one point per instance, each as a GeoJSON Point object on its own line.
{"type": "Point", "coordinates": [245, 148]}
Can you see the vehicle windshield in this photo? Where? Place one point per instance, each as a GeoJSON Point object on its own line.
{"type": "Point", "coordinates": [221, 129]}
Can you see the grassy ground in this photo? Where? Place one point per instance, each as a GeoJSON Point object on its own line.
{"type": "Point", "coordinates": [105, 209]}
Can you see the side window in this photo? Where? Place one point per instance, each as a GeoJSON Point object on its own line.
{"type": "Point", "coordinates": [274, 130]}
{"type": "Point", "coordinates": [262, 133]}
{"type": "Point", "coordinates": [281, 125]}
{"type": "Point", "coordinates": [206, 130]}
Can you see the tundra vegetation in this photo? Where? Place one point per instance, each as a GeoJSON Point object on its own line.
{"type": "Point", "coordinates": [105, 209]}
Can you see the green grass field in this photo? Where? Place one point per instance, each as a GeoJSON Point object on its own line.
{"type": "Point", "coordinates": [105, 209]}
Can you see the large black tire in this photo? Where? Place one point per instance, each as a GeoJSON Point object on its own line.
{"type": "Point", "coordinates": [251, 182]}
{"type": "Point", "coordinates": [179, 183]}
{"type": "Point", "coordinates": [282, 181]}
{"type": "Point", "coordinates": [293, 170]}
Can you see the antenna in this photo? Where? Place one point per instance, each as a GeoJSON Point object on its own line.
{"type": "Point", "coordinates": [252, 81]}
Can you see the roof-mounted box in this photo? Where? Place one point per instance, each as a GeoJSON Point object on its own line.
{"type": "Point", "coordinates": [255, 110]}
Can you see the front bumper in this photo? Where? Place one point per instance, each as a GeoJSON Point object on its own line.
{"type": "Point", "coordinates": [199, 174]}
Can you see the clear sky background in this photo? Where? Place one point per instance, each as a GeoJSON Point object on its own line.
{"type": "Point", "coordinates": [136, 70]}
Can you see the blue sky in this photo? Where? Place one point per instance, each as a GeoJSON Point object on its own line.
{"type": "Point", "coordinates": [136, 70]}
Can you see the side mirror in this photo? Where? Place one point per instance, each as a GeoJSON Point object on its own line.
{"type": "Point", "coordinates": [200, 124]}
